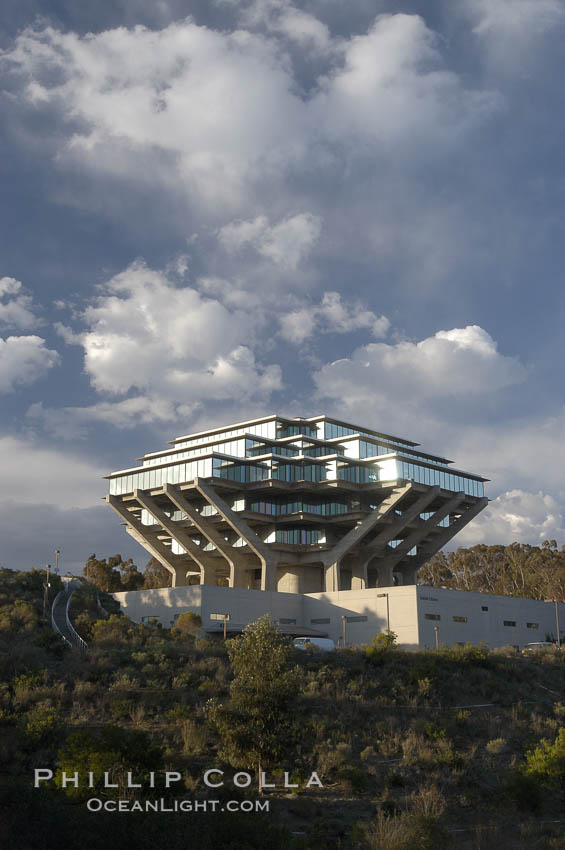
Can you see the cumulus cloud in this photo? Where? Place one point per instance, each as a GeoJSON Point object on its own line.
{"type": "Point", "coordinates": [285, 243]}
{"type": "Point", "coordinates": [392, 84]}
{"type": "Point", "coordinates": [454, 364]}
{"type": "Point", "coordinates": [222, 112]}
{"type": "Point", "coordinates": [24, 359]}
{"type": "Point", "coordinates": [170, 345]}
{"type": "Point", "coordinates": [16, 306]}
{"type": "Point", "coordinates": [331, 315]}
{"type": "Point", "coordinates": [281, 16]}
{"type": "Point", "coordinates": [516, 516]}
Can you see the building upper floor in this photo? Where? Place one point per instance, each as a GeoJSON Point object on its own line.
{"type": "Point", "coordinates": [276, 448]}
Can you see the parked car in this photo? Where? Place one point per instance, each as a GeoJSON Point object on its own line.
{"type": "Point", "coordinates": [325, 644]}
{"type": "Point", "coordinates": [539, 645]}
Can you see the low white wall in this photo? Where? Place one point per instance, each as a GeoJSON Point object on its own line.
{"type": "Point", "coordinates": [408, 606]}
{"type": "Point", "coordinates": [372, 604]}
{"type": "Point", "coordinates": [484, 626]}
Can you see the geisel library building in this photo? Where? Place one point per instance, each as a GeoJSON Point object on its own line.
{"type": "Point", "coordinates": [317, 522]}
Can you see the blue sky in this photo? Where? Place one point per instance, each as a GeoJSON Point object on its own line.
{"type": "Point", "coordinates": [216, 210]}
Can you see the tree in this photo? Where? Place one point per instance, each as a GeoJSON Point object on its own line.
{"type": "Point", "coordinates": [257, 726]}
{"type": "Point", "coordinates": [113, 574]}
{"type": "Point", "coordinates": [155, 575]}
{"type": "Point", "coordinates": [189, 623]}
{"type": "Point", "coordinates": [518, 569]}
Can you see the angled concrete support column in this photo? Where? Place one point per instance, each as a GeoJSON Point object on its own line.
{"type": "Point", "coordinates": [235, 560]}
{"type": "Point", "coordinates": [267, 557]}
{"type": "Point", "coordinates": [204, 561]}
{"type": "Point", "coordinates": [400, 522]}
{"type": "Point", "coordinates": [353, 537]}
{"type": "Point", "coordinates": [420, 534]}
{"type": "Point", "coordinates": [176, 565]}
{"type": "Point", "coordinates": [446, 535]}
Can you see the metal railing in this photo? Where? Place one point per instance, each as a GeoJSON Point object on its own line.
{"type": "Point", "coordinates": [77, 640]}
{"type": "Point", "coordinates": [72, 637]}
{"type": "Point", "coordinates": [54, 624]}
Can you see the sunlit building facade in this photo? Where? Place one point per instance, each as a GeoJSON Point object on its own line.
{"type": "Point", "coordinates": [298, 505]}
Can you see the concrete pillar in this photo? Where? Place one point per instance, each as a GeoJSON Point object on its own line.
{"type": "Point", "coordinates": [331, 577]}
{"type": "Point", "coordinates": [289, 580]}
{"type": "Point", "coordinates": [384, 573]}
{"type": "Point", "coordinates": [359, 576]}
{"type": "Point", "coordinates": [269, 575]}
{"type": "Point", "coordinates": [408, 573]}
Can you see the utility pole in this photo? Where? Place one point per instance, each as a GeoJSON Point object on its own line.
{"type": "Point", "coordinates": [344, 624]}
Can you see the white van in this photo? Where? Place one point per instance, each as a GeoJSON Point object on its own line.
{"type": "Point", "coordinates": [325, 644]}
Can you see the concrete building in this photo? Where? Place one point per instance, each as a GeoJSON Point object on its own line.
{"type": "Point", "coordinates": [298, 506]}
{"type": "Point", "coordinates": [413, 612]}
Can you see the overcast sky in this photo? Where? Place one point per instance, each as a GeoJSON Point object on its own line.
{"type": "Point", "coordinates": [212, 211]}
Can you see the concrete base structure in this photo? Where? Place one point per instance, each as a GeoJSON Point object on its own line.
{"type": "Point", "coordinates": [411, 611]}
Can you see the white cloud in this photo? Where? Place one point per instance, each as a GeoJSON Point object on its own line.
{"type": "Point", "coordinates": [393, 88]}
{"type": "Point", "coordinates": [517, 516]}
{"type": "Point", "coordinates": [168, 343]}
{"type": "Point", "coordinates": [331, 316]}
{"type": "Point", "coordinates": [16, 307]}
{"type": "Point", "coordinates": [75, 422]}
{"type": "Point", "coordinates": [221, 114]}
{"type": "Point", "coordinates": [455, 364]}
{"type": "Point", "coordinates": [24, 359]}
{"type": "Point", "coordinates": [281, 16]}
{"type": "Point", "coordinates": [285, 243]}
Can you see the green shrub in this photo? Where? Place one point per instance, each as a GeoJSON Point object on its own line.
{"type": "Point", "coordinates": [546, 762]}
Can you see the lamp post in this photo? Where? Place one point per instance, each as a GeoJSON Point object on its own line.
{"type": "Point", "coordinates": [344, 626]}
{"type": "Point", "coordinates": [46, 588]}
{"type": "Point", "coordinates": [380, 596]}
{"type": "Point", "coordinates": [226, 618]}
{"type": "Point", "coordinates": [57, 553]}
{"type": "Point", "coordinates": [436, 630]}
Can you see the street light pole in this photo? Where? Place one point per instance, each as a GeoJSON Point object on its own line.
{"type": "Point", "coordinates": [225, 625]}
{"type": "Point", "coordinates": [57, 553]}
{"type": "Point", "coordinates": [344, 624]}
{"type": "Point", "coordinates": [436, 630]}
{"type": "Point", "coordinates": [46, 589]}
{"type": "Point", "coordinates": [380, 595]}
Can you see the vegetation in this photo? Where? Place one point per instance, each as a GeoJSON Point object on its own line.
{"type": "Point", "coordinates": [537, 572]}
{"type": "Point", "coordinates": [257, 727]}
{"type": "Point", "coordinates": [460, 747]}
{"type": "Point", "coordinates": [113, 574]}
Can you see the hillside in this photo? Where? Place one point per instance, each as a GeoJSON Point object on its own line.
{"type": "Point", "coordinates": [427, 749]}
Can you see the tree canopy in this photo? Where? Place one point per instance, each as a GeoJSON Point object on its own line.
{"type": "Point", "coordinates": [519, 569]}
